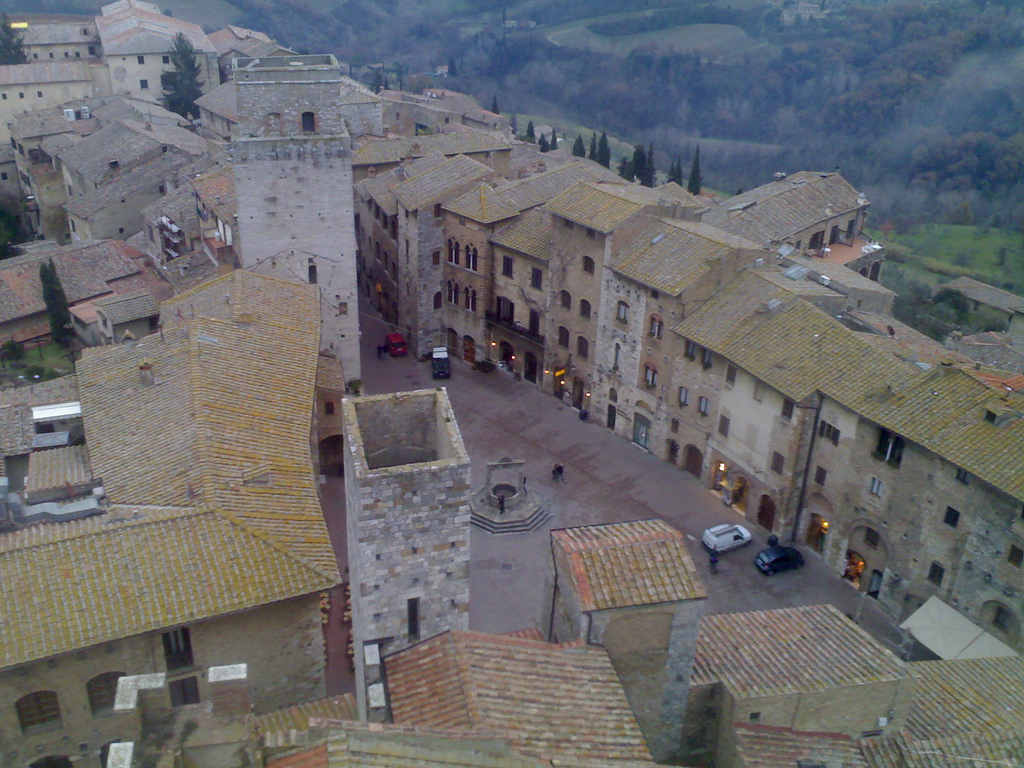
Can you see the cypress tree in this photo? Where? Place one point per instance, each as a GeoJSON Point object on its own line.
{"type": "Point", "coordinates": [554, 139]}
{"type": "Point", "coordinates": [543, 143]}
{"type": "Point", "coordinates": [57, 310]}
{"type": "Point", "coordinates": [12, 48]}
{"type": "Point", "coordinates": [625, 171]}
{"type": "Point", "coordinates": [531, 134]}
{"type": "Point", "coordinates": [647, 173]}
{"type": "Point", "coordinates": [593, 147]}
{"type": "Point", "coordinates": [452, 71]}
{"type": "Point", "coordinates": [514, 124]}
{"type": "Point", "coordinates": [494, 105]}
{"type": "Point", "coordinates": [639, 164]}
{"type": "Point", "coordinates": [182, 85]}
{"type": "Point", "coordinates": [604, 152]}
{"type": "Point", "coordinates": [578, 149]}
{"type": "Point", "coordinates": [694, 184]}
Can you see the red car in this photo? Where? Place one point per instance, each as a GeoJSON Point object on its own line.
{"type": "Point", "coordinates": [395, 343]}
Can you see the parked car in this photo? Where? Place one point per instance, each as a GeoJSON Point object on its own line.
{"type": "Point", "coordinates": [775, 559]}
{"type": "Point", "coordinates": [440, 364]}
{"type": "Point", "coordinates": [395, 342]}
{"type": "Point", "coordinates": [722, 538]}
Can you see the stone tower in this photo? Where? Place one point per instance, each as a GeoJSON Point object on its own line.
{"type": "Point", "coordinates": [292, 153]}
{"type": "Point", "coordinates": [407, 490]}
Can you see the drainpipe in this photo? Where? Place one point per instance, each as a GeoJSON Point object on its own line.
{"type": "Point", "coordinates": [807, 471]}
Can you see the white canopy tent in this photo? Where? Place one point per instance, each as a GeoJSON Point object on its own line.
{"type": "Point", "coordinates": [951, 635]}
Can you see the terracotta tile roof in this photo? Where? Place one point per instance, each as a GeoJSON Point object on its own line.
{"type": "Point", "coordinates": [192, 438]}
{"type": "Point", "coordinates": [38, 72]}
{"type": "Point", "coordinates": [552, 702]}
{"type": "Point", "coordinates": [125, 307]}
{"type": "Point", "coordinates": [217, 189]}
{"type": "Point", "coordinates": [57, 468]}
{"type": "Point", "coordinates": [841, 274]}
{"type": "Point", "coordinates": [440, 182]}
{"type": "Point", "coordinates": [86, 270]}
{"type": "Point", "coordinates": [600, 206]}
{"type": "Point", "coordinates": [314, 757]}
{"type": "Point", "coordinates": [128, 29]}
{"type": "Point", "coordinates": [984, 293]}
{"type": "Point", "coordinates": [789, 650]}
{"type": "Point", "coordinates": [16, 425]}
{"type": "Point", "coordinates": [669, 255]}
{"type": "Point", "coordinates": [148, 177]}
{"type": "Point", "coordinates": [900, 751]}
{"type": "Point", "coordinates": [272, 726]}
{"type": "Point", "coordinates": [134, 570]}
{"type": "Point", "coordinates": [483, 204]}
{"type": "Point", "coordinates": [809, 289]}
{"type": "Point", "coordinates": [768, 746]}
{"type": "Point", "coordinates": [46, 32]}
{"type": "Point", "coordinates": [222, 100]}
{"type": "Point", "coordinates": [382, 187]}
{"type": "Point", "coordinates": [626, 564]}
{"type": "Point", "coordinates": [529, 234]}
{"type": "Point", "coordinates": [329, 374]}
{"type": "Point", "coordinates": [385, 151]}
{"type": "Point", "coordinates": [770, 213]}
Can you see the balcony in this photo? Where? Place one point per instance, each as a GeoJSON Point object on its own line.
{"type": "Point", "coordinates": [516, 328]}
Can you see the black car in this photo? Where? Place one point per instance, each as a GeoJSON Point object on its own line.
{"type": "Point", "coordinates": [775, 559]}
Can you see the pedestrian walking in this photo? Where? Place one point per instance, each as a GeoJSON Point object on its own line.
{"type": "Point", "coordinates": [501, 504]}
{"type": "Point", "coordinates": [524, 484]}
{"type": "Point", "coordinates": [713, 561]}
{"type": "Point", "coordinates": [380, 352]}
{"type": "Point", "coordinates": [558, 473]}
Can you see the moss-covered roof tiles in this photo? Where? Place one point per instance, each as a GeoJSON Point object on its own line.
{"type": "Point", "coordinates": [530, 234]}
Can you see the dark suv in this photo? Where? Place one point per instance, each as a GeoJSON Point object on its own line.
{"type": "Point", "coordinates": [775, 559]}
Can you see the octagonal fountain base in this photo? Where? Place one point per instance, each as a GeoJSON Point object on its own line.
{"type": "Point", "coordinates": [504, 504]}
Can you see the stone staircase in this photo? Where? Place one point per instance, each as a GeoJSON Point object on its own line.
{"type": "Point", "coordinates": [523, 525]}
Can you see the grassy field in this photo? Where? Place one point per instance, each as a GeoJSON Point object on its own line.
{"type": "Point", "coordinates": [938, 253]}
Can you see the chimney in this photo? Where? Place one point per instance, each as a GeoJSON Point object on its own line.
{"type": "Point", "coordinates": [146, 377]}
{"type": "Point", "coordinates": [229, 690]}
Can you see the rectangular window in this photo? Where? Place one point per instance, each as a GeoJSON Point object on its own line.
{"type": "Point", "coordinates": [962, 476]}
{"type": "Point", "coordinates": [819, 475]}
{"type": "Point", "coordinates": [184, 691]}
{"type": "Point", "coordinates": [876, 486]}
{"type": "Point", "coordinates": [730, 375]}
{"type": "Point", "coordinates": [828, 432]}
{"type": "Point", "coordinates": [144, 85]}
{"type": "Point", "coordinates": [889, 448]}
{"type": "Point", "coordinates": [178, 648]}
{"type": "Point", "coordinates": [952, 518]}
{"type": "Point", "coordinates": [703, 406]}
{"type": "Point", "coordinates": [142, 59]}
{"type": "Point", "coordinates": [684, 396]}
{"type": "Point", "coordinates": [1016, 556]}
{"type": "Point", "coordinates": [437, 210]}
{"type": "Point", "coordinates": [622, 311]}
{"type": "Point", "coordinates": [787, 409]}
{"type": "Point", "coordinates": [506, 266]}
{"type": "Point", "coordinates": [166, 59]}
{"type": "Point", "coordinates": [412, 611]}
{"type": "Point", "coordinates": [935, 574]}
{"type": "Point", "coordinates": [536, 277]}
{"type": "Point", "coordinates": [723, 426]}
{"type": "Point", "coordinates": [778, 463]}
{"type": "Point", "coordinates": [674, 425]}
{"type": "Point", "coordinates": [706, 358]}
{"type": "Point", "coordinates": [691, 350]}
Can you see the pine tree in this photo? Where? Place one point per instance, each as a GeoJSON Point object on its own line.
{"type": "Point", "coordinates": [554, 139]}
{"type": "Point", "coordinates": [514, 124]}
{"type": "Point", "coordinates": [693, 185]}
{"type": "Point", "coordinates": [12, 48]}
{"type": "Point", "coordinates": [648, 172]}
{"type": "Point", "coordinates": [494, 105]}
{"type": "Point", "coordinates": [604, 152]}
{"type": "Point", "coordinates": [182, 85]}
{"type": "Point", "coordinates": [625, 171]}
{"type": "Point", "coordinates": [593, 147]}
{"type": "Point", "coordinates": [56, 300]}
{"type": "Point", "coordinates": [639, 162]}
{"type": "Point", "coordinates": [377, 81]}
{"type": "Point", "coordinates": [675, 172]}
{"type": "Point", "coordinates": [531, 134]}
{"type": "Point", "coordinates": [543, 143]}
{"type": "Point", "coordinates": [578, 149]}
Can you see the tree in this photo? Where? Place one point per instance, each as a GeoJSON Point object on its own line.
{"type": "Point", "coordinates": [9, 231]}
{"type": "Point", "coordinates": [638, 164]}
{"type": "Point", "coordinates": [376, 81]}
{"type": "Point", "coordinates": [514, 124]}
{"type": "Point", "coordinates": [182, 85]}
{"type": "Point", "coordinates": [543, 143]}
{"type": "Point", "coordinates": [675, 172]}
{"type": "Point", "coordinates": [531, 134]}
{"type": "Point", "coordinates": [554, 139]}
{"type": "Point", "coordinates": [693, 184]}
{"type": "Point", "coordinates": [452, 71]}
{"type": "Point", "coordinates": [57, 310]}
{"type": "Point", "coordinates": [578, 149]}
{"type": "Point", "coordinates": [494, 105]}
{"type": "Point", "coordinates": [604, 152]}
{"type": "Point", "coordinates": [647, 173]}
{"type": "Point", "coordinates": [624, 168]}
{"type": "Point", "coordinates": [593, 147]}
{"type": "Point", "coordinates": [12, 49]}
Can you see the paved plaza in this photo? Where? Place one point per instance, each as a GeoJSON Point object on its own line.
{"type": "Point", "coordinates": [607, 479]}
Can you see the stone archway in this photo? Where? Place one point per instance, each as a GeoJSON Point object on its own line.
{"type": "Point", "coordinates": [766, 512]}
{"type": "Point", "coordinates": [740, 491]}
{"type": "Point", "coordinates": [331, 453]}
{"type": "Point", "coordinates": [693, 460]}
{"type": "Point", "coordinates": [866, 554]}
{"type": "Point", "coordinates": [468, 349]}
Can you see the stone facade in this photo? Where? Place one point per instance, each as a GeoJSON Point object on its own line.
{"type": "Point", "coordinates": [280, 675]}
{"type": "Point", "coordinates": [407, 485]}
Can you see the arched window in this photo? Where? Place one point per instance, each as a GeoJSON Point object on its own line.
{"type": "Point", "coordinates": [38, 710]}
{"type": "Point", "coordinates": [472, 301]}
{"type": "Point", "coordinates": [456, 294]}
{"type": "Point", "coordinates": [311, 270]}
{"type": "Point", "coordinates": [565, 299]}
{"type": "Point", "coordinates": [588, 265]}
{"type": "Point", "coordinates": [449, 292]}
{"type": "Point", "coordinates": [437, 300]}
{"type": "Point", "coordinates": [613, 395]}
{"type": "Point", "coordinates": [582, 347]}
{"type": "Point", "coordinates": [329, 408]}
{"type": "Point", "coordinates": [466, 301]}
{"type": "Point", "coordinates": [451, 250]}
{"type": "Point", "coordinates": [584, 308]}
{"type": "Point", "coordinates": [102, 688]}
{"type": "Point", "coordinates": [471, 258]}
{"type": "Point", "coordinates": [650, 376]}
{"type": "Point", "coordinates": [563, 336]}
{"type": "Point", "coordinates": [308, 122]}
{"type": "Point", "coordinates": [457, 249]}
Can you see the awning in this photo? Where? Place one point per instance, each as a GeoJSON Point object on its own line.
{"type": "Point", "coordinates": [56, 411]}
{"type": "Point", "coordinates": [951, 635]}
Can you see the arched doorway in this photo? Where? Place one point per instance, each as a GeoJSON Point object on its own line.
{"type": "Point", "coordinates": [559, 381]}
{"type": "Point", "coordinates": [641, 430]}
{"type": "Point", "coordinates": [577, 392]}
{"type": "Point", "coordinates": [693, 460]}
{"type": "Point", "coordinates": [854, 567]}
{"type": "Point", "coordinates": [673, 451]}
{"type": "Point", "coordinates": [331, 454]}
{"type": "Point", "coordinates": [468, 349]}
{"type": "Point", "coordinates": [866, 554]}
{"type": "Point", "coordinates": [452, 339]}
{"type": "Point", "coordinates": [611, 416]}
{"type": "Point", "coordinates": [530, 367]}
{"type": "Point", "coordinates": [766, 512]}
{"type": "Point", "coordinates": [817, 530]}
{"type": "Point", "coordinates": [739, 493]}
{"type": "Point", "coordinates": [506, 354]}
{"type": "Point", "coordinates": [1001, 621]}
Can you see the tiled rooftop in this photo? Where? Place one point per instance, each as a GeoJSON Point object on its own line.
{"type": "Point", "coordinates": [551, 701]}
{"type": "Point", "coordinates": [222, 100]}
{"type": "Point", "coordinates": [767, 746]}
{"type": "Point", "coordinates": [628, 564]}
{"type": "Point", "coordinates": [56, 468]}
{"type": "Point", "coordinates": [217, 190]}
{"type": "Point", "coordinates": [125, 307]}
{"type": "Point", "coordinates": [984, 294]}
{"type": "Point", "coordinates": [382, 187]}
{"type": "Point", "coordinates": [385, 151]}
{"type": "Point", "coordinates": [143, 178]}
{"type": "Point", "coordinates": [529, 234]}
{"type": "Point", "coordinates": [789, 650]}
{"type": "Point", "coordinates": [37, 72]}
{"type": "Point", "coordinates": [128, 28]}
{"type": "Point", "coordinates": [273, 728]}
